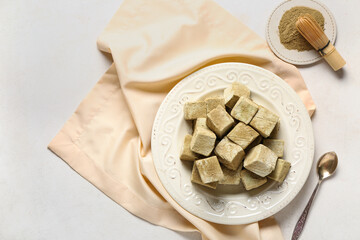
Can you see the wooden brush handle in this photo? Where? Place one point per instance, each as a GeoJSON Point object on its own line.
{"type": "Point", "coordinates": [333, 57]}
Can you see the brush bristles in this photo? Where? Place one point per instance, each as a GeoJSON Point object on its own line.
{"type": "Point", "coordinates": [311, 31]}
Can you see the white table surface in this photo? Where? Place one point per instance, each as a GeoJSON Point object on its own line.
{"type": "Point", "coordinates": [48, 64]}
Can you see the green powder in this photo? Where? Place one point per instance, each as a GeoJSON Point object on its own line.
{"type": "Point", "coordinates": [289, 36]}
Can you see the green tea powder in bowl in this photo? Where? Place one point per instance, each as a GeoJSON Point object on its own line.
{"type": "Point", "coordinates": [289, 36]}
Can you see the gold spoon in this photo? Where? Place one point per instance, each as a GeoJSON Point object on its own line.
{"type": "Point", "coordinates": [325, 168]}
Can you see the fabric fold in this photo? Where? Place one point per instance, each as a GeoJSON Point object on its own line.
{"type": "Point", "coordinates": [155, 44]}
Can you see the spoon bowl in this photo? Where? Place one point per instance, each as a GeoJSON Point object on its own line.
{"type": "Point", "coordinates": [326, 165]}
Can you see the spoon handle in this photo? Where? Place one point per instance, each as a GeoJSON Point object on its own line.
{"type": "Point", "coordinates": [301, 222]}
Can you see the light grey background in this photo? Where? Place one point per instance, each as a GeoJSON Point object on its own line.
{"type": "Point", "coordinates": [48, 64]}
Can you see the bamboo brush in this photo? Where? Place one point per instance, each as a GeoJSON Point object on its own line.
{"type": "Point", "coordinates": [312, 32]}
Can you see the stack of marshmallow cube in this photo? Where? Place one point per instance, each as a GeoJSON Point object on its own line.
{"type": "Point", "coordinates": [233, 141]}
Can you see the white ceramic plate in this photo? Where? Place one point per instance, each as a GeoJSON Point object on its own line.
{"type": "Point", "coordinates": [232, 205]}
{"type": "Point", "coordinates": [294, 56]}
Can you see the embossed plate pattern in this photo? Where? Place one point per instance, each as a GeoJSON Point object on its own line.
{"type": "Point", "coordinates": [232, 205]}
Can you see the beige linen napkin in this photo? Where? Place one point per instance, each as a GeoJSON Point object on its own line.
{"type": "Point", "coordinates": [154, 44]}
